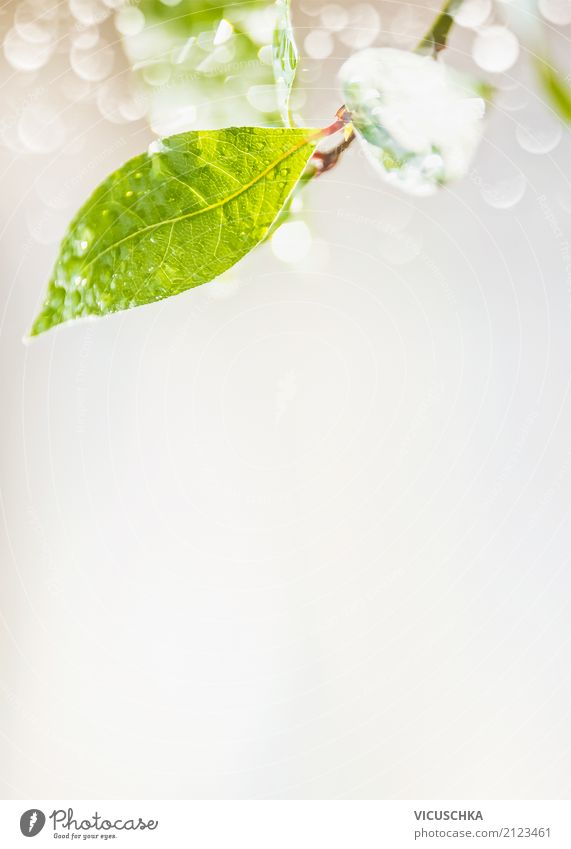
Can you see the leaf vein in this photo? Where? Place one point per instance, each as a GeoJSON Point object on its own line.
{"type": "Point", "coordinates": [243, 188]}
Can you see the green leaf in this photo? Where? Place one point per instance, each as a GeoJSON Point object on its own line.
{"type": "Point", "coordinates": [174, 218]}
{"type": "Point", "coordinates": [436, 38]}
{"type": "Point", "coordinates": [556, 88]}
{"type": "Point", "coordinates": [285, 58]}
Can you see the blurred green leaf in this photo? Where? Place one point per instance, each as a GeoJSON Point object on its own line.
{"type": "Point", "coordinates": [207, 64]}
{"type": "Point", "coordinates": [436, 38]}
{"type": "Point", "coordinates": [174, 218]}
{"type": "Point", "coordinates": [556, 88]}
{"type": "Point", "coordinates": [285, 58]}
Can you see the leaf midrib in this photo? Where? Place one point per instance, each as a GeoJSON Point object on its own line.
{"type": "Point", "coordinates": [150, 227]}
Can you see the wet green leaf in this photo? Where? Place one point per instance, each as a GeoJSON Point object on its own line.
{"type": "Point", "coordinates": [285, 58]}
{"type": "Point", "coordinates": [174, 218]}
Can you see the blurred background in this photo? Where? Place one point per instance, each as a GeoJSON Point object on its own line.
{"type": "Point", "coordinates": [303, 532]}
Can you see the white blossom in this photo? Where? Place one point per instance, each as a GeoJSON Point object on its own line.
{"type": "Point", "coordinates": [419, 121]}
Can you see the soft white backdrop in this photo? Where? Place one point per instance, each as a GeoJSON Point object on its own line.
{"type": "Point", "coordinates": [304, 532]}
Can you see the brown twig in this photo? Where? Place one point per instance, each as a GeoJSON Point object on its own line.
{"type": "Point", "coordinates": [325, 160]}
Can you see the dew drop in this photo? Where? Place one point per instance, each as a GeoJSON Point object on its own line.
{"type": "Point", "coordinates": [156, 146]}
{"type": "Point", "coordinates": [83, 245]}
{"type": "Point", "coordinates": [82, 242]}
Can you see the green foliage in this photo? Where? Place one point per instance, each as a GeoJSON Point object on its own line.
{"type": "Point", "coordinates": [201, 74]}
{"type": "Point", "coordinates": [174, 218]}
{"type": "Point", "coordinates": [285, 58]}
{"type": "Point", "coordinates": [556, 88]}
{"type": "Point", "coordinates": [198, 202]}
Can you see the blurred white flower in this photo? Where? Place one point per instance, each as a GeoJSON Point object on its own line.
{"type": "Point", "coordinates": [418, 121]}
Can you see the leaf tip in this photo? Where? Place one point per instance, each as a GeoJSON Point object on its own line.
{"type": "Point", "coordinates": [45, 320]}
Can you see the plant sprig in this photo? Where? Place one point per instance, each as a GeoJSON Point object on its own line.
{"type": "Point", "coordinates": [198, 202]}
